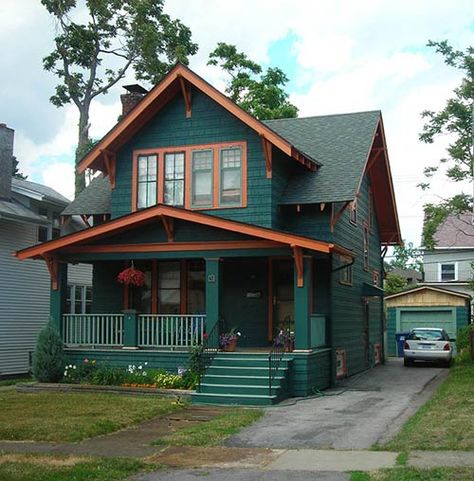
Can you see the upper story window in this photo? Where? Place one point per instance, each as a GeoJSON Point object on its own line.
{"type": "Point", "coordinates": [448, 272]}
{"type": "Point", "coordinates": [345, 274]}
{"type": "Point", "coordinates": [174, 179]}
{"type": "Point", "coordinates": [353, 212]}
{"type": "Point", "coordinates": [146, 181]}
{"type": "Point", "coordinates": [210, 176]}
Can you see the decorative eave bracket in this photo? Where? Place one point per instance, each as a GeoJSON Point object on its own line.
{"type": "Point", "coordinates": [267, 151]}
{"type": "Point", "coordinates": [53, 266]}
{"type": "Point", "coordinates": [303, 160]}
{"type": "Point", "coordinates": [298, 257]}
{"type": "Point", "coordinates": [186, 91]}
{"type": "Point", "coordinates": [168, 226]}
{"type": "Point", "coordinates": [110, 163]}
{"type": "Point", "coordinates": [335, 216]}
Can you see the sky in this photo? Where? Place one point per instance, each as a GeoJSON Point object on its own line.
{"type": "Point", "coordinates": [340, 56]}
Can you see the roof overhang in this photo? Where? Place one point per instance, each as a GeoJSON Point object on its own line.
{"type": "Point", "coordinates": [369, 290]}
{"type": "Point", "coordinates": [78, 240]}
{"type": "Point", "coordinates": [177, 80]}
{"type": "Point", "coordinates": [430, 288]}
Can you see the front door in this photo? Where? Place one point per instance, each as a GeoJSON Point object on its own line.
{"type": "Point", "coordinates": [283, 295]}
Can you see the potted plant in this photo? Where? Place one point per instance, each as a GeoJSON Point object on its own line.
{"type": "Point", "coordinates": [228, 340]}
{"type": "Point", "coordinates": [285, 339]}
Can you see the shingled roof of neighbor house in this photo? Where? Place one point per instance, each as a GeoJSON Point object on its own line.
{"type": "Point", "coordinates": [340, 143]}
{"type": "Point", "coordinates": [455, 231]}
{"type": "Point", "coordinates": [45, 193]}
{"type": "Point", "coordinates": [93, 200]}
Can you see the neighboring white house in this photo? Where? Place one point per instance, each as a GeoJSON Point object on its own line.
{"type": "Point", "coordinates": [448, 265]}
{"type": "Point", "coordinates": [29, 214]}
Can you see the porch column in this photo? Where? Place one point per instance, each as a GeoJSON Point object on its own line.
{"type": "Point", "coordinates": [302, 307]}
{"type": "Point", "coordinates": [57, 298]}
{"type": "Point", "coordinates": [213, 288]}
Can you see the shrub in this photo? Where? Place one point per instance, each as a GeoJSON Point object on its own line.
{"type": "Point", "coordinates": [168, 381]}
{"type": "Point", "coordinates": [80, 373]}
{"type": "Point", "coordinates": [48, 357]}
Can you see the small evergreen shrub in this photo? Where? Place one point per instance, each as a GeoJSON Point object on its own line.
{"type": "Point", "coordinates": [48, 357]}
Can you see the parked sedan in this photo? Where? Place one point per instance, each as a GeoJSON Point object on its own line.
{"type": "Point", "coordinates": [428, 344]}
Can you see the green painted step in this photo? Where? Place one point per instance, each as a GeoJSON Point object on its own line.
{"type": "Point", "coordinates": [245, 361]}
{"type": "Point", "coordinates": [240, 399]}
{"type": "Point", "coordinates": [246, 380]}
{"type": "Point", "coordinates": [241, 370]}
{"type": "Point", "coordinates": [239, 389]}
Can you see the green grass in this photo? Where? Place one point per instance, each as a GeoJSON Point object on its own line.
{"type": "Point", "coordinates": [360, 476]}
{"type": "Point", "coordinates": [13, 381]}
{"type": "Point", "coordinates": [44, 468]}
{"type": "Point", "coordinates": [412, 474]}
{"type": "Point", "coordinates": [212, 433]}
{"type": "Point", "coordinates": [446, 422]}
{"type": "Point", "coordinates": [73, 417]}
{"type": "Point", "coordinates": [402, 459]}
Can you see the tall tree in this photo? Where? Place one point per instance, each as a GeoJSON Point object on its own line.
{"type": "Point", "coordinates": [456, 119]}
{"type": "Point", "coordinates": [16, 171]}
{"type": "Point", "coordinates": [264, 97]}
{"type": "Point", "coordinates": [92, 56]}
{"type": "Point", "coordinates": [407, 256]}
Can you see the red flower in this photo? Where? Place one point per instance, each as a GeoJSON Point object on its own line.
{"type": "Point", "coordinates": [205, 336]}
{"type": "Point", "coordinates": [131, 277]}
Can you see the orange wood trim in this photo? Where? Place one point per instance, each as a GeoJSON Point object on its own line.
{"type": "Point", "coordinates": [146, 215]}
{"type": "Point", "coordinates": [128, 125]}
{"type": "Point", "coordinates": [52, 265]}
{"type": "Point", "coordinates": [110, 162]}
{"type": "Point", "coordinates": [244, 175]}
{"type": "Point", "coordinates": [270, 299]}
{"type": "Point", "coordinates": [186, 91]}
{"type": "Point", "coordinates": [169, 227]}
{"type": "Point", "coordinates": [135, 181]}
{"type": "Point", "coordinates": [85, 219]}
{"type": "Point", "coordinates": [336, 249]}
{"type": "Point", "coordinates": [298, 256]}
{"type": "Point", "coordinates": [335, 217]}
{"type": "Point", "coordinates": [216, 177]}
{"type": "Point", "coordinates": [183, 287]}
{"type": "Point", "coordinates": [154, 286]}
{"type": "Point", "coordinates": [267, 152]}
{"type": "Point", "coordinates": [174, 247]}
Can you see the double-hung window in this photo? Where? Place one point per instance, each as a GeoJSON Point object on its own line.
{"type": "Point", "coordinates": [174, 179]}
{"type": "Point", "coordinates": [146, 181]}
{"type": "Point", "coordinates": [202, 175]}
{"type": "Point", "coordinates": [447, 272]}
{"type": "Point", "coordinates": [231, 176]}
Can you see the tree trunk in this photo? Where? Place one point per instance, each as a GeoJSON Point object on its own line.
{"type": "Point", "coordinates": [82, 148]}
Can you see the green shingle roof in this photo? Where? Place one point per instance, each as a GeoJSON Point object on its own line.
{"type": "Point", "coordinates": [339, 143]}
{"type": "Point", "coordinates": [93, 200]}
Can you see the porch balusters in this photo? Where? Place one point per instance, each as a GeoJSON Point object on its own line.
{"type": "Point", "coordinates": [93, 330]}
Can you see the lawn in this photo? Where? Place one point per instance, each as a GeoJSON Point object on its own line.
{"type": "Point", "coordinates": [213, 432]}
{"type": "Point", "coordinates": [446, 422]}
{"type": "Point", "coordinates": [73, 417]}
{"type": "Point", "coordinates": [412, 474]}
{"type": "Point", "coordinates": [46, 468]}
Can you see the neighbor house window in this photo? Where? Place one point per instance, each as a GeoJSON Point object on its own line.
{"type": "Point", "coordinates": [201, 165]}
{"type": "Point", "coordinates": [231, 176]}
{"type": "Point", "coordinates": [448, 272]}
{"type": "Point", "coordinates": [174, 179]}
{"type": "Point", "coordinates": [366, 247]}
{"type": "Point", "coordinates": [79, 299]}
{"type": "Point", "coordinates": [146, 179]}
{"type": "Point", "coordinates": [345, 274]}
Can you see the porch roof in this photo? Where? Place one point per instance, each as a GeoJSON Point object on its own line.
{"type": "Point", "coordinates": [166, 214]}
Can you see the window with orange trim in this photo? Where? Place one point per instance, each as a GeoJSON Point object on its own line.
{"type": "Point", "coordinates": [210, 176]}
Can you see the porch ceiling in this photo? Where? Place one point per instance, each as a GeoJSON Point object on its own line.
{"type": "Point", "coordinates": [262, 237]}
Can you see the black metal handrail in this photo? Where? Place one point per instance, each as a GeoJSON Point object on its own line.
{"type": "Point", "coordinates": [280, 346]}
{"type": "Point", "coordinates": [210, 347]}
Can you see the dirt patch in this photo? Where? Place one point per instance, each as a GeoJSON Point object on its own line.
{"type": "Point", "coordinates": [197, 457]}
{"type": "Point", "coordinates": [43, 460]}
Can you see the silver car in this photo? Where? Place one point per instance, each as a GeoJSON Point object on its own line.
{"type": "Point", "coordinates": [428, 344]}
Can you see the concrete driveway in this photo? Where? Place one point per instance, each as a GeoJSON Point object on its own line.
{"type": "Point", "coordinates": [370, 408]}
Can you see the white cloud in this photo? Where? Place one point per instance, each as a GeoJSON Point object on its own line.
{"type": "Point", "coordinates": [59, 176]}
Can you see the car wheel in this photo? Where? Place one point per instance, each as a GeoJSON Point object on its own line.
{"type": "Point", "coordinates": [407, 362]}
{"type": "Point", "coordinates": [447, 364]}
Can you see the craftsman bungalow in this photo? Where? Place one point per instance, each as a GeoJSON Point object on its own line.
{"type": "Point", "coordinates": [237, 223]}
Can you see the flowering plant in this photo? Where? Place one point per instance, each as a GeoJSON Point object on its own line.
{"type": "Point", "coordinates": [227, 337]}
{"type": "Point", "coordinates": [132, 277]}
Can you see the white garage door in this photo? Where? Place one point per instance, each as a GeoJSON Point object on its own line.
{"type": "Point", "coordinates": [442, 319]}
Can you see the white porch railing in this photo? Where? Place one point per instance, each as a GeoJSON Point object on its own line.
{"type": "Point", "coordinates": [170, 330]}
{"type": "Point", "coordinates": [93, 329]}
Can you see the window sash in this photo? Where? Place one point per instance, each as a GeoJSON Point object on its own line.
{"type": "Point", "coordinates": [202, 178]}
{"type": "Point", "coordinates": [146, 180]}
{"type": "Point", "coordinates": [230, 176]}
{"type": "Point", "coordinates": [174, 179]}
{"type": "Point", "coordinates": [448, 272]}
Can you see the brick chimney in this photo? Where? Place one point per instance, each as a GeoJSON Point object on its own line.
{"type": "Point", "coordinates": [134, 95]}
{"type": "Point", "coordinates": [6, 161]}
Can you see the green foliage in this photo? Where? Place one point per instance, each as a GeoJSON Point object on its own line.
{"type": "Point", "coordinates": [196, 360]}
{"type": "Point", "coordinates": [407, 256]}
{"type": "Point", "coordinates": [16, 171]}
{"type": "Point", "coordinates": [394, 283]}
{"type": "Point", "coordinates": [48, 357]}
{"type": "Point", "coordinates": [262, 97]}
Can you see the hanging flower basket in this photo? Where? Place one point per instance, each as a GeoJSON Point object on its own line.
{"type": "Point", "coordinates": [132, 277]}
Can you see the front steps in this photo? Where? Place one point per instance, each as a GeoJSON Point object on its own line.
{"type": "Point", "coordinates": [242, 378]}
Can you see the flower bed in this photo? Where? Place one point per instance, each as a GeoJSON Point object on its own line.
{"type": "Point", "coordinates": [135, 375]}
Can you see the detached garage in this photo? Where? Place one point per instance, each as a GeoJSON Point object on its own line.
{"type": "Point", "coordinates": [425, 307]}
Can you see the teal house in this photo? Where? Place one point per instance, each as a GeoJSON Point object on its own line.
{"type": "Point", "coordinates": [275, 229]}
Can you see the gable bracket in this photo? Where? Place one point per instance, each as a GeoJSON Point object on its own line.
{"type": "Point", "coordinates": [186, 91]}
{"type": "Point", "coordinates": [110, 162]}
{"type": "Point", "coordinates": [267, 150]}
{"type": "Point", "coordinates": [168, 226]}
{"type": "Point", "coordinates": [335, 216]}
{"type": "Point", "coordinates": [303, 160]}
{"type": "Point", "coordinates": [298, 257]}
{"type": "Point", "coordinates": [85, 219]}
{"type": "Point", "coordinates": [52, 265]}
{"type": "Point", "coordinates": [374, 157]}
